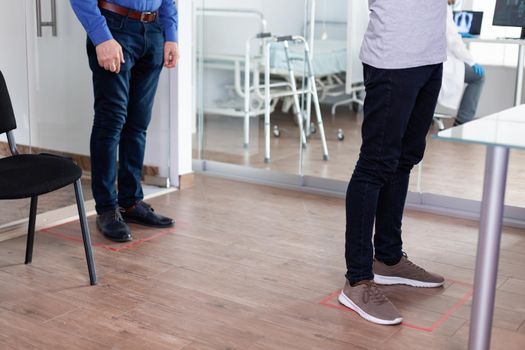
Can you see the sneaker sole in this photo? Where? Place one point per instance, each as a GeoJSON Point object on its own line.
{"type": "Point", "coordinates": [388, 281]}
{"type": "Point", "coordinates": [343, 299]}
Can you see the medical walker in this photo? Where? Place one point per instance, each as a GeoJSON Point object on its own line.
{"type": "Point", "coordinates": [310, 92]}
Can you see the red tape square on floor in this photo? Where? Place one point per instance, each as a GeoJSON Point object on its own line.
{"type": "Point", "coordinates": [71, 231]}
{"type": "Point", "coordinates": [332, 302]}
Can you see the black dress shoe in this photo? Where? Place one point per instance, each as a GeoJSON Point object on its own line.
{"type": "Point", "coordinates": [113, 227]}
{"type": "Point", "coordinates": [143, 214]}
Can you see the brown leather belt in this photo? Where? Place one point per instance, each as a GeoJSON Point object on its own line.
{"type": "Point", "coordinates": [146, 17]}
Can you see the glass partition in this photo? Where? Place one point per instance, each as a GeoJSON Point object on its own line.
{"type": "Point", "coordinates": [339, 85]}
{"type": "Point", "coordinates": [227, 39]}
{"type": "Point", "coordinates": [328, 80]}
{"type": "Point", "coordinates": [63, 97]}
{"type": "Point", "coordinates": [239, 46]}
{"type": "Point", "coordinates": [339, 29]}
{"type": "Point", "coordinates": [13, 64]}
{"type": "Point", "coordinates": [457, 170]}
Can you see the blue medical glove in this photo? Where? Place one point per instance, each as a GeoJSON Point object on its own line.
{"type": "Point", "coordinates": [466, 35]}
{"type": "Point", "coordinates": [479, 70]}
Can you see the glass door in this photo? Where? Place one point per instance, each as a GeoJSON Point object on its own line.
{"type": "Point", "coordinates": [63, 98]}
{"type": "Point", "coordinates": [13, 65]}
{"type": "Point", "coordinates": [238, 47]}
{"type": "Point", "coordinates": [50, 81]}
{"type": "Point", "coordinates": [449, 178]}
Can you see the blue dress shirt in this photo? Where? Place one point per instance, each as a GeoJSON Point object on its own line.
{"type": "Point", "coordinates": [95, 24]}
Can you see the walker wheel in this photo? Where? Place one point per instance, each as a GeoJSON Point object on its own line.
{"type": "Point", "coordinates": [276, 131]}
{"type": "Point", "coordinates": [340, 135]}
{"type": "Point", "coordinates": [313, 129]}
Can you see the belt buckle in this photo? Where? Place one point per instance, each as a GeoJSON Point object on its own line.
{"type": "Point", "coordinates": [143, 16]}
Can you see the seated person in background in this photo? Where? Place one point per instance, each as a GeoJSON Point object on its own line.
{"type": "Point", "coordinates": [460, 68]}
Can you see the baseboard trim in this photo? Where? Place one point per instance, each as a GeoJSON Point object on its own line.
{"type": "Point", "coordinates": [186, 181]}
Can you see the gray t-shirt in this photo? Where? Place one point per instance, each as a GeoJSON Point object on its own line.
{"type": "Point", "coordinates": [405, 33]}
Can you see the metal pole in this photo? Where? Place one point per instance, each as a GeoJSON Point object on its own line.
{"type": "Point", "coordinates": [86, 237]}
{"type": "Point", "coordinates": [53, 23]}
{"type": "Point", "coordinates": [519, 76]}
{"type": "Point", "coordinates": [267, 102]}
{"type": "Point", "coordinates": [39, 18]}
{"type": "Point", "coordinates": [247, 95]}
{"type": "Point", "coordinates": [31, 230]}
{"type": "Point", "coordinates": [12, 143]}
{"type": "Point", "coordinates": [311, 40]}
{"type": "Point", "coordinates": [488, 247]}
{"type": "Point", "coordinates": [199, 52]}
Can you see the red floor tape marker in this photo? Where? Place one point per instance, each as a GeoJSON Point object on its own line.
{"type": "Point", "coordinates": [329, 302]}
{"type": "Point", "coordinates": [105, 246]}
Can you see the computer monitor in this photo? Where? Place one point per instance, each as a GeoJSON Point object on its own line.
{"type": "Point", "coordinates": [510, 13]}
{"type": "Point", "coordinates": [468, 22]}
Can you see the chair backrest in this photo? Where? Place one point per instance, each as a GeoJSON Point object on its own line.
{"type": "Point", "coordinates": [7, 116]}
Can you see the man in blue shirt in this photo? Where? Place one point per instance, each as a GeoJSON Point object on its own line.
{"type": "Point", "coordinates": [129, 41]}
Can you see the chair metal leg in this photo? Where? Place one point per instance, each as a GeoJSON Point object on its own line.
{"type": "Point", "coordinates": [267, 103]}
{"type": "Point", "coordinates": [31, 230]}
{"type": "Point", "coordinates": [247, 95]}
{"type": "Point", "coordinates": [85, 233]}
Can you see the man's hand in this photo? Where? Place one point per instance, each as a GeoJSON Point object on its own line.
{"type": "Point", "coordinates": [110, 55]}
{"type": "Point", "coordinates": [171, 54]}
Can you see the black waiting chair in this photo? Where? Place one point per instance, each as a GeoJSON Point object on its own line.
{"type": "Point", "coordinates": [31, 175]}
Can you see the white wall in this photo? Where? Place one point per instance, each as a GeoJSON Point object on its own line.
{"type": "Point", "coordinates": [284, 16]}
{"type": "Point", "coordinates": [467, 4]}
{"type": "Point", "coordinates": [332, 10]}
{"type": "Point", "coordinates": [61, 94]}
{"type": "Point", "coordinates": [181, 98]}
{"type": "Point", "coordinates": [13, 64]}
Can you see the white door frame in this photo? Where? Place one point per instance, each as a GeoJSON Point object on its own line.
{"type": "Point", "coordinates": [181, 92]}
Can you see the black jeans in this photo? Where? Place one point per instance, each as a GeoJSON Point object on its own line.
{"type": "Point", "coordinates": [123, 104]}
{"type": "Point", "coordinates": [399, 107]}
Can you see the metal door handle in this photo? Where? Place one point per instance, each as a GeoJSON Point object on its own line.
{"type": "Point", "coordinates": [40, 24]}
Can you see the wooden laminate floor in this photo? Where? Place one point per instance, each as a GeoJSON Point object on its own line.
{"type": "Point", "coordinates": [247, 267]}
{"type": "Point", "coordinates": [450, 169]}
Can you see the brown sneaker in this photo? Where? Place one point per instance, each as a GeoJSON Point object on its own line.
{"type": "Point", "coordinates": [370, 303]}
{"type": "Point", "coordinates": [405, 272]}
